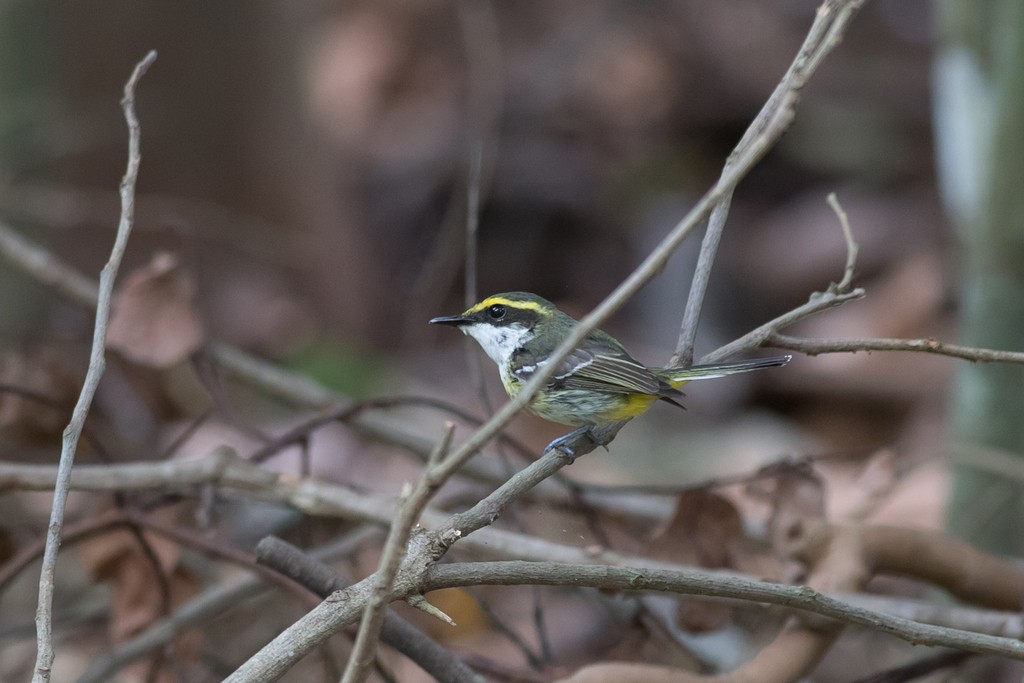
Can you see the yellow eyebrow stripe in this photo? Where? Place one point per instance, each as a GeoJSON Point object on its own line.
{"type": "Point", "coordinates": [491, 300]}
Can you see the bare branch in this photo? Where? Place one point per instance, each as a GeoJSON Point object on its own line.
{"type": "Point", "coordinates": [683, 356]}
{"type": "Point", "coordinates": [476, 162]}
{"type": "Point", "coordinates": [814, 347]}
{"type": "Point", "coordinates": [707, 583]}
{"type": "Point", "coordinates": [396, 631]}
{"type": "Point", "coordinates": [759, 336]}
{"type": "Point", "coordinates": [46, 267]}
{"type": "Point", "coordinates": [314, 497]}
{"type": "Point", "coordinates": [774, 118]}
{"type": "Point", "coordinates": [685, 581]}
{"type": "Point", "coordinates": [851, 245]}
{"type": "Point", "coordinates": [226, 470]}
{"type": "Point", "coordinates": [97, 362]}
{"type": "Point", "coordinates": [365, 649]}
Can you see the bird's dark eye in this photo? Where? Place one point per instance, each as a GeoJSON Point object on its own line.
{"type": "Point", "coordinates": [496, 312]}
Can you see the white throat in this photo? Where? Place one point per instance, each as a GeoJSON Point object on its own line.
{"type": "Point", "coordinates": [498, 342]}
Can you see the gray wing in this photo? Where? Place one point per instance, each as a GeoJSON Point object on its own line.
{"type": "Point", "coordinates": [599, 365]}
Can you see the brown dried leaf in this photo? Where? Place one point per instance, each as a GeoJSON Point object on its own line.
{"type": "Point", "coordinates": [153, 322]}
{"type": "Point", "coordinates": [796, 496]}
{"type": "Point", "coordinates": [118, 559]}
{"type": "Point", "coordinates": [703, 530]}
{"type": "Point", "coordinates": [706, 529]}
{"type": "Point", "coordinates": [47, 375]}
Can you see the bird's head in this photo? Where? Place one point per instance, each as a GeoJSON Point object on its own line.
{"type": "Point", "coordinates": [502, 323]}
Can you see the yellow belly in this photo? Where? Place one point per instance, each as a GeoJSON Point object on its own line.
{"type": "Point", "coordinates": [576, 407]}
{"type": "Point", "coordinates": [579, 407]}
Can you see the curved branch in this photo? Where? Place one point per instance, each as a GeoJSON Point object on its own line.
{"type": "Point", "coordinates": [814, 347]}
{"type": "Point", "coordinates": [705, 584]}
{"type": "Point", "coordinates": [759, 336]}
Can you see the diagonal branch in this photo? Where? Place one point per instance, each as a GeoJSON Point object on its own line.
{"type": "Point", "coordinates": [773, 119]}
{"type": "Point", "coordinates": [760, 336]}
{"type": "Point", "coordinates": [396, 631]}
{"type": "Point", "coordinates": [365, 649]}
{"type": "Point", "coordinates": [44, 610]}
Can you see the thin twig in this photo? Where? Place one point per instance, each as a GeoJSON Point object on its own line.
{"type": "Point", "coordinates": [478, 28]}
{"type": "Point", "coordinates": [683, 356]}
{"type": "Point", "coordinates": [160, 575]}
{"type": "Point", "coordinates": [363, 652]}
{"type": "Point", "coordinates": [218, 550]}
{"type": "Point", "coordinates": [187, 433]}
{"type": "Point", "coordinates": [396, 632]}
{"type": "Point", "coordinates": [73, 532]}
{"type": "Point", "coordinates": [470, 296]}
{"type": "Point", "coordinates": [484, 83]}
{"type": "Point", "coordinates": [498, 624]}
{"type": "Point", "coordinates": [476, 162]}
{"type": "Point", "coordinates": [760, 336]}
{"type": "Point", "coordinates": [483, 11]}
{"type": "Point", "coordinates": [851, 244]}
{"type": "Point", "coordinates": [47, 268]}
{"type": "Point", "coordinates": [97, 362]}
{"type": "Point", "coordinates": [835, 295]}
{"type": "Point", "coordinates": [813, 347]}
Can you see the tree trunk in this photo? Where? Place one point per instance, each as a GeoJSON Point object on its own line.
{"type": "Point", "coordinates": [980, 134]}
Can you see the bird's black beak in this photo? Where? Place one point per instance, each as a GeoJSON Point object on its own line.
{"type": "Point", "coordinates": [455, 320]}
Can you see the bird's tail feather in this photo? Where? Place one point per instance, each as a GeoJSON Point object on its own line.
{"type": "Point", "coordinates": [678, 376]}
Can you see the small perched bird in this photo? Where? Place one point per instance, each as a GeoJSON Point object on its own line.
{"type": "Point", "coordinates": [596, 384]}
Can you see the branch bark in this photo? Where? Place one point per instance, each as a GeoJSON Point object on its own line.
{"type": "Point", "coordinates": [97, 362]}
{"type": "Point", "coordinates": [814, 347]}
{"type": "Point", "coordinates": [361, 658]}
{"type": "Point", "coordinates": [397, 632]}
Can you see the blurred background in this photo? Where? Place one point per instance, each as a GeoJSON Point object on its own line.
{"type": "Point", "coordinates": [308, 163]}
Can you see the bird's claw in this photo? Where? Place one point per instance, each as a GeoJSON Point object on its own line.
{"type": "Point", "coordinates": [562, 442]}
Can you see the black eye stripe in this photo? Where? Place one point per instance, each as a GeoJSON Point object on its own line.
{"type": "Point", "coordinates": [496, 311]}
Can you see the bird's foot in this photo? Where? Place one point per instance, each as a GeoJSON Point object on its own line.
{"type": "Point", "coordinates": [568, 442]}
{"type": "Point", "coordinates": [598, 435]}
